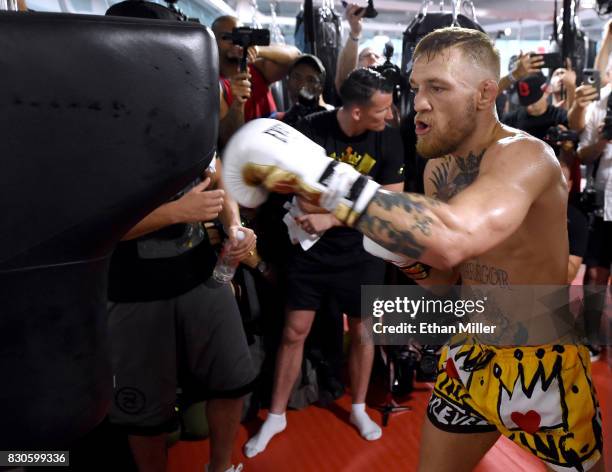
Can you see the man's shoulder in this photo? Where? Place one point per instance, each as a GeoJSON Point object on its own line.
{"type": "Point", "coordinates": [322, 116]}
{"type": "Point", "coordinates": [519, 148]}
{"type": "Point", "coordinates": [320, 122]}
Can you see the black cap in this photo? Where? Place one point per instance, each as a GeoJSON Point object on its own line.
{"type": "Point", "coordinates": [530, 89]}
{"type": "Point", "coordinates": [311, 60]}
{"type": "Point", "coordinates": [143, 9]}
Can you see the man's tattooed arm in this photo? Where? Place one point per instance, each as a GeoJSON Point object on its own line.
{"type": "Point", "coordinates": [404, 223]}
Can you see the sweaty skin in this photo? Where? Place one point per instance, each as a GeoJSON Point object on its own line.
{"type": "Point", "coordinates": [495, 203]}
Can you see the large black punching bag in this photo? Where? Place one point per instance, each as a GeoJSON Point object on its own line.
{"type": "Point", "coordinates": [101, 120]}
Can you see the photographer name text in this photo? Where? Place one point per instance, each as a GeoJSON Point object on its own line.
{"type": "Point", "coordinates": [433, 328]}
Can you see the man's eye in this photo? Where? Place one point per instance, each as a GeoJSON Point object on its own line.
{"type": "Point", "coordinates": [437, 89]}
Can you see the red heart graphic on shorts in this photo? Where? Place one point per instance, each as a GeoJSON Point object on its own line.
{"type": "Point", "coordinates": [528, 422]}
{"type": "Point", "coordinates": [451, 370]}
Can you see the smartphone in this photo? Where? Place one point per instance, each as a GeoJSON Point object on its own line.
{"type": "Point", "coordinates": [357, 12]}
{"type": "Point", "coordinates": [552, 60]}
{"type": "Point", "coordinates": [592, 77]}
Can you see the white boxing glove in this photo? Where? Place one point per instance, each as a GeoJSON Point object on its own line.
{"type": "Point", "coordinates": [268, 155]}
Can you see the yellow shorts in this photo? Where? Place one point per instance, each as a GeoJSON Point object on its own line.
{"type": "Point", "coordinates": [541, 397]}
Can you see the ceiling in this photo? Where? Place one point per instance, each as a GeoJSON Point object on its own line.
{"type": "Point", "coordinates": [527, 19]}
{"type": "Point", "coordinates": [522, 19]}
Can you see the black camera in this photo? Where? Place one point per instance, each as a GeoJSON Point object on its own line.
{"type": "Point", "coordinates": [391, 73]}
{"type": "Point", "coordinates": [555, 134]}
{"type": "Point", "coordinates": [307, 104]}
{"type": "Point", "coordinates": [588, 200]}
{"type": "Point", "coordinates": [427, 369]}
{"type": "Point", "coordinates": [246, 37]}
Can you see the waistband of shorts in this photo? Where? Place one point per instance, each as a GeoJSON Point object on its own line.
{"type": "Point", "coordinates": [537, 351]}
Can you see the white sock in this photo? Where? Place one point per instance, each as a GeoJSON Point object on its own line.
{"type": "Point", "coordinates": [273, 425]}
{"type": "Point", "coordinates": [367, 428]}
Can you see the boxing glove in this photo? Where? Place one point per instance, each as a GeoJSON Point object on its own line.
{"type": "Point", "coordinates": [267, 155]}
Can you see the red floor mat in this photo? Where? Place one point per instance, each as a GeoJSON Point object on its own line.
{"type": "Point", "coordinates": [322, 440]}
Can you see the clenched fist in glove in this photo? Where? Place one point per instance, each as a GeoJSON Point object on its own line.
{"type": "Point", "coordinates": [267, 155]}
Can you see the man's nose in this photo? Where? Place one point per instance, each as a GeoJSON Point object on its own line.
{"type": "Point", "coordinates": [421, 103]}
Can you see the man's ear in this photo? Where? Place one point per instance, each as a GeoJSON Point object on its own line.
{"type": "Point", "coordinates": [487, 93]}
{"type": "Point", "coordinates": [356, 113]}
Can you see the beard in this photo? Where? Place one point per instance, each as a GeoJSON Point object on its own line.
{"type": "Point", "coordinates": [440, 142]}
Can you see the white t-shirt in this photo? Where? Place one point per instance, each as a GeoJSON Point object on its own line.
{"type": "Point", "coordinates": [595, 114]}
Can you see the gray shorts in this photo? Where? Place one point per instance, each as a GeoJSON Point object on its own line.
{"type": "Point", "coordinates": [195, 340]}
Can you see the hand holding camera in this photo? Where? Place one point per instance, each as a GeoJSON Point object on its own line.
{"type": "Point", "coordinates": [561, 136]}
{"type": "Point", "coordinates": [527, 64]}
{"type": "Point", "coordinates": [585, 94]}
{"type": "Point", "coordinates": [354, 15]}
{"type": "Point", "coordinates": [240, 85]}
{"type": "Point", "coordinates": [248, 39]}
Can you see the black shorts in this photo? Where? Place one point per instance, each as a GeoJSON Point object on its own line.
{"type": "Point", "coordinates": [599, 248]}
{"type": "Point", "coordinates": [308, 283]}
{"type": "Point", "coordinates": [195, 340]}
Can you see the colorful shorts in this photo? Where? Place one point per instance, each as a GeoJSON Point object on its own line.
{"type": "Point", "coordinates": [540, 397]}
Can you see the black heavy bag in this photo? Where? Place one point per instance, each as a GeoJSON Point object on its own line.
{"type": "Point", "coordinates": [425, 23]}
{"type": "Point", "coordinates": [103, 119]}
{"type": "Point", "coordinates": [318, 31]}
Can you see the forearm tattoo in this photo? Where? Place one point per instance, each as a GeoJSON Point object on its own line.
{"type": "Point", "coordinates": [385, 221]}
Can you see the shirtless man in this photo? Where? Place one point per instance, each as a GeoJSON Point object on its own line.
{"type": "Point", "coordinates": [496, 198]}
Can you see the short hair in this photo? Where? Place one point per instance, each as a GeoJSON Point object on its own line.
{"type": "Point", "coordinates": [222, 19]}
{"type": "Point", "coordinates": [361, 84]}
{"type": "Point", "coordinates": [473, 44]}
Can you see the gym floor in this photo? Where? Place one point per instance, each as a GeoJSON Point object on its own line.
{"type": "Point", "coordinates": [322, 440]}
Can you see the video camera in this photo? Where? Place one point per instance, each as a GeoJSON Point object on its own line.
{"type": "Point", "coordinates": [392, 73]}
{"type": "Point", "coordinates": [410, 365]}
{"type": "Point", "coordinates": [246, 37]}
{"type": "Point", "coordinates": [555, 134]}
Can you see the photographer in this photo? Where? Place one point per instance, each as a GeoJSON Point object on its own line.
{"type": "Point", "coordinates": [595, 147]}
{"type": "Point", "coordinates": [563, 84]}
{"type": "Point", "coordinates": [246, 95]}
{"type": "Point", "coordinates": [305, 88]}
{"type": "Point", "coordinates": [535, 115]}
{"type": "Point", "coordinates": [595, 150]}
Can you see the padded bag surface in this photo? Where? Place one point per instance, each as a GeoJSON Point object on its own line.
{"type": "Point", "coordinates": [101, 120]}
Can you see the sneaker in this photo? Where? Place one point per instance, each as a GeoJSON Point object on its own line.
{"type": "Point", "coordinates": [595, 352]}
{"type": "Point", "coordinates": [237, 468]}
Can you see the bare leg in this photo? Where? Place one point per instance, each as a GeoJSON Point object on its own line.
{"type": "Point", "coordinates": [288, 364]}
{"type": "Point", "coordinates": [452, 452]}
{"type": "Point", "coordinates": [361, 358]}
{"type": "Point", "coordinates": [289, 358]}
{"type": "Point", "coordinates": [223, 416]}
{"type": "Point", "coordinates": [149, 452]}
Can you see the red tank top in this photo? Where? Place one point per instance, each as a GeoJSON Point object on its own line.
{"type": "Point", "coordinates": [261, 103]}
